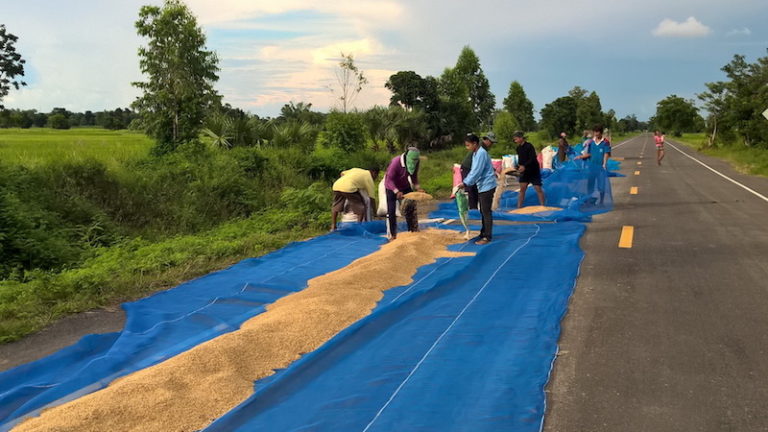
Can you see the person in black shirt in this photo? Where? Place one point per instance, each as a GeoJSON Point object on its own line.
{"type": "Point", "coordinates": [530, 172]}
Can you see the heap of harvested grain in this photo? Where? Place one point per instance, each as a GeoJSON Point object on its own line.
{"type": "Point", "coordinates": [534, 209]}
{"type": "Point", "coordinates": [189, 391]}
{"type": "Point", "coordinates": [418, 196]}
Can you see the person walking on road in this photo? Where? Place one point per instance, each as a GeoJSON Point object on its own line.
{"type": "Point", "coordinates": [347, 193]}
{"type": "Point", "coordinates": [402, 178]}
{"type": "Point", "coordinates": [483, 175]}
{"type": "Point", "coordinates": [659, 138]}
{"type": "Point", "coordinates": [529, 169]}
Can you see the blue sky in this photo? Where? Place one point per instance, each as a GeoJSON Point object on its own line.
{"type": "Point", "coordinates": [82, 54]}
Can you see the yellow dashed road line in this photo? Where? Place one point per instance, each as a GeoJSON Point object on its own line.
{"type": "Point", "coordinates": [627, 233]}
{"type": "Point", "coordinates": [633, 190]}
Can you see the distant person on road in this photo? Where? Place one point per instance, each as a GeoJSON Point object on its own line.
{"type": "Point", "coordinates": [402, 178]}
{"type": "Point", "coordinates": [529, 169]}
{"type": "Point", "coordinates": [483, 176]}
{"type": "Point", "coordinates": [659, 138]}
{"type": "Point", "coordinates": [347, 193]}
{"type": "Point", "coordinates": [596, 152]}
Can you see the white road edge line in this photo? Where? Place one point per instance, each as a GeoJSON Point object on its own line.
{"type": "Point", "coordinates": [754, 192]}
{"type": "Point", "coordinates": [621, 144]}
{"type": "Point", "coordinates": [437, 341]}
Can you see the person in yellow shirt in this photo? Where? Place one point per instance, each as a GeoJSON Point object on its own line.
{"type": "Point", "coordinates": [347, 190]}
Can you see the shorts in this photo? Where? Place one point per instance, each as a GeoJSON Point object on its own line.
{"type": "Point", "coordinates": [353, 200]}
{"type": "Point", "coordinates": [533, 178]}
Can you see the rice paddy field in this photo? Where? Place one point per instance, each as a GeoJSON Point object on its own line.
{"type": "Point", "coordinates": [36, 146]}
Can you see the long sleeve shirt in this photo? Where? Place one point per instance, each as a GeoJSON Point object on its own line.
{"type": "Point", "coordinates": [397, 175]}
{"type": "Point", "coordinates": [482, 173]}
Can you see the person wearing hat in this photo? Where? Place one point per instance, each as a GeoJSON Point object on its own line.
{"type": "Point", "coordinates": [402, 178]}
{"type": "Point", "coordinates": [483, 176]}
{"type": "Point", "coordinates": [489, 140]}
{"type": "Point", "coordinates": [529, 169]}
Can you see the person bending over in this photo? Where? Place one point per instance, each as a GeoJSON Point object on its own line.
{"type": "Point", "coordinates": [346, 190]}
{"type": "Point", "coordinates": [403, 172]}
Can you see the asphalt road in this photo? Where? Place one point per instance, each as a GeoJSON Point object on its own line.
{"type": "Point", "coordinates": [672, 333]}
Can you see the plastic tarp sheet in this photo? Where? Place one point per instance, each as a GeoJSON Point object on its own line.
{"type": "Point", "coordinates": [171, 322]}
{"type": "Point", "coordinates": [579, 192]}
{"type": "Point", "coordinates": [467, 346]}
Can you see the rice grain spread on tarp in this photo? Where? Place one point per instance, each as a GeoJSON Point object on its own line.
{"type": "Point", "coordinates": [418, 196]}
{"type": "Point", "coordinates": [189, 391]}
{"type": "Point", "coordinates": [534, 209]}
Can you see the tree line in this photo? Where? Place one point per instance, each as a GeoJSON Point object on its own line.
{"type": "Point", "coordinates": [61, 118]}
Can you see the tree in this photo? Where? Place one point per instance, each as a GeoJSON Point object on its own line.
{"type": "Point", "coordinates": [349, 81]}
{"type": "Point", "coordinates": [180, 71]}
{"type": "Point", "coordinates": [58, 121]}
{"type": "Point", "coordinates": [559, 116]}
{"type": "Point", "coordinates": [715, 103]}
{"type": "Point", "coordinates": [407, 89]}
{"type": "Point", "coordinates": [676, 114]}
{"type": "Point", "coordinates": [504, 126]}
{"type": "Point", "coordinates": [11, 64]}
{"type": "Point", "coordinates": [521, 108]}
{"type": "Point", "coordinates": [456, 116]}
{"type": "Point", "coordinates": [483, 102]}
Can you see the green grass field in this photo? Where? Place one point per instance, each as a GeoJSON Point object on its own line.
{"type": "Point", "coordinates": [35, 146]}
{"type": "Point", "coordinates": [748, 160]}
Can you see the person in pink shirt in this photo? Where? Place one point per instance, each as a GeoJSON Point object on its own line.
{"type": "Point", "coordinates": [659, 138]}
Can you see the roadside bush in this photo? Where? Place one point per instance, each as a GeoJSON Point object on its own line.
{"type": "Point", "coordinates": [344, 131]}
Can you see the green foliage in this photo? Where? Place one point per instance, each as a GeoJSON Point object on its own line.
{"type": "Point", "coordinates": [11, 64]}
{"type": "Point", "coordinates": [344, 131]}
{"type": "Point", "coordinates": [735, 106]}
{"type": "Point", "coordinates": [58, 121]}
{"type": "Point", "coordinates": [559, 116]}
{"type": "Point", "coordinates": [456, 115]}
{"type": "Point", "coordinates": [589, 112]}
{"type": "Point", "coordinates": [482, 101]}
{"type": "Point", "coordinates": [521, 108]}
{"type": "Point", "coordinates": [295, 133]}
{"type": "Point", "coordinates": [180, 71]}
{"type": "Point", "coordinates": [408, 89]}
{"type": "Point", "coordinates": [504, 125]}
{"type": "Point", "coordinates": [676, 115]}
{"type": "Point", "coordinates": [301, 112]}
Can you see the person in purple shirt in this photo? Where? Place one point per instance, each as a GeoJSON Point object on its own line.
{"type": "Point", "coordinates": [402, 178]}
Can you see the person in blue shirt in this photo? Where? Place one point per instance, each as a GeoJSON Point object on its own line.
{"type": "Point", "coordinates": [596, 153]}
{"type": "Point", "coordinates": [483, 175]}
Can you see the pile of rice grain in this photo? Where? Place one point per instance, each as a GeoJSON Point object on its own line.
{"type": "Point", "coordinates": [534, 209]}
{"type": "Point", "coordinates": [418, 196]}
{"type": "Point", "coordinates": [190, 390]}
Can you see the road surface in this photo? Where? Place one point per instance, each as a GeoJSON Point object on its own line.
{"type": "Point", "coordinates": [670, 334]}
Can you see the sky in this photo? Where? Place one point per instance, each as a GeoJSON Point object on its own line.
{"type": "Point", "coordinates": [82, 54]}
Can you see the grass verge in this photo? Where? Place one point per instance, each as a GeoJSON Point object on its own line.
{"type": "Point", "coordinates": [747, 160]}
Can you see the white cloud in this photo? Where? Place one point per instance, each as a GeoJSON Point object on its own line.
{"type": "Point", "coordinates": [689, 28]}
{"type": "Point", "coordinates": [744, 31]}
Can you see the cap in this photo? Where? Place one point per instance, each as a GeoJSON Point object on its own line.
{"type": "Point", "coordinates": [518, 134]}
{"type": "Point", "coordinates": [491, 137]}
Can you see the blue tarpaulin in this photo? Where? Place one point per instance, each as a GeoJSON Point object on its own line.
{"type": "Point", "coordinates": [171, 322]}
{"type": "Point", "coordinates": [468, 346]}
